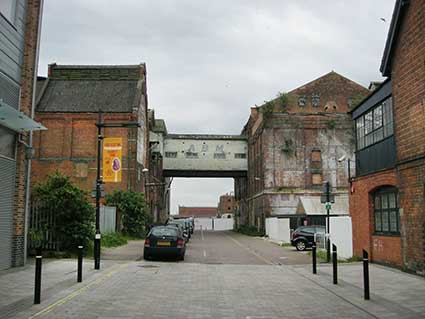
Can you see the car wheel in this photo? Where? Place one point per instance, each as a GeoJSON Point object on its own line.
{"type": "Point", "coordinates": [300, 245]}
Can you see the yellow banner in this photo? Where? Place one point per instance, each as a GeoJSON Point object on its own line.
{"type": "Point", "coordinates": [112, 160]}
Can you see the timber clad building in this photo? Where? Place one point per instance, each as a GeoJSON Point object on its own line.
{"type": "Point", "coordinates": [19, 37]}
{"type": "Point", "coordinates": [68, 102]}
{"type": "Point", "coordinates": [388, 202]}
{"type": "Point", "coordinates": [294, 143]}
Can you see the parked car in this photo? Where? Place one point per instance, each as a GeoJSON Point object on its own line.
{"type": "Point", "coordinates": [182, 222]}
{"type": "Point", "coordinates": [303, 236]}
{"type": "Point", "coordinates": [181, 227]}
{"type": "Point", "coordinates": [164, 241]}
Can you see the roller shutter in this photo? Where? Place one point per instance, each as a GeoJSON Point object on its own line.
{"type": "Point", "coordinates": [7, 190]}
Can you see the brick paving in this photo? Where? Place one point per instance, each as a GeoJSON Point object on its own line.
{"type": "Point", "coordinates": [205, 289]}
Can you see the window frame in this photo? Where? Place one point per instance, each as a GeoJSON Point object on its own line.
{"type": "Point", "coordinates": [371, 130]}
{"type": "Point", "coordinates": [383, 195]}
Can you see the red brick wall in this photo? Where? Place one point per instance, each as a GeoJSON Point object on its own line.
{"type": "Point", "coordinates": [381, 248]}
{"type": "Point", "coordinates": [70, 146]}
{"type": "Point", "coordinates": [34, 8]}
{"type": "Point", "coordinates": [408, 78]}
{"type": "Point", "coordinates": [197, 211]}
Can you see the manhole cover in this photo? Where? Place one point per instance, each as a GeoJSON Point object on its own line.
{"type": "Point", "coordinates": [148, 266]}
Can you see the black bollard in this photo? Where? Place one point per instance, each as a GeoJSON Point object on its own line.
{"type": "Point", "coordinates": [37, 286]}
{"type": "Point", "coordinates": [314, 257]}
{"type": "Point", "coordinates": [80, 264]}
{"type": "Point", "coordinates": [334, 265]}
{"type": "Point", "coordinates": [366, 275]}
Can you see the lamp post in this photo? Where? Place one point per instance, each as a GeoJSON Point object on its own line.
{"type": "Point", "coordinates": [99, 180]}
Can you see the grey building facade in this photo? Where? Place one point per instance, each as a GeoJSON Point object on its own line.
{"type": "Point", "coordinates": [19, 33]}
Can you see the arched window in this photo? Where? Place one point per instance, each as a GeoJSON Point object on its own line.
{"type": "Point", "coordinates": [386, 212]}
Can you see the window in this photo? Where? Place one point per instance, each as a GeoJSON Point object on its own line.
{"type": "Point", "coordinates": [219, 155]}
{"type": "Point", "coordinates": [375, 125]}
{"type": "Point", "coordinates": [7, 142]}
{"type": "Point", "coordinates": [191, 155]}
{"type": "Point", "coordinates": [7, 9]}
{"type": "Point", "coordinates": [240, 155]}
{"type": "Point", "coordinates": [171, 154]}
{"type": "Point", "coordinates": [302, 101]}
{"type": "Point", "coordinates": [386, 214]}
{"type": "Point", "coordinates": [315, 100]}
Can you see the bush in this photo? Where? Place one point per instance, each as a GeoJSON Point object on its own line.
{"type": "Point", "coordinates": [250, 231]}
{"type": "Point", "coordinates": [74, 214]}
{"type": "Point", "coordinates": [113, 240]}
{"type": "Point", "coordinates": [133, 209]}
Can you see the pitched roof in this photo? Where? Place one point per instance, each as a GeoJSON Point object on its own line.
{"type": "Point", "coordinates": [88, 89]}
{"type": "Point", "coordinates": [396, 21]}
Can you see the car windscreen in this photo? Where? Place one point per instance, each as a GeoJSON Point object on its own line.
{"type": "Point", "coordinates": [164, 231]}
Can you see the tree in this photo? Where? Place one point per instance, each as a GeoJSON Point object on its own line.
{"type": "Point", "coordinates": [133, 209]}
{"type": "Point", "coordinates": [74, 214]}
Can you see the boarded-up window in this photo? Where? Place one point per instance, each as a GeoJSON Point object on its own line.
{"type": "Point", "coordinates": [316, 156]}
{"type": "Point", "coordinates": [81, 170]}
{"type": "Point", "coordinates": [316, 179]}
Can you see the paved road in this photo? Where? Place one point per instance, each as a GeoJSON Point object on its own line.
{"type": "Point", "coordinates": [225, 247]}
{"type": "Point", "coordinates": [228, 247]}
{"type": "Point", "coordinates": [228, 275]}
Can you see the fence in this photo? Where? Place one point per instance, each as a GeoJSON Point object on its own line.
{"type": "Point", "coordinates": [42, 222]}
{"type": "Point", "coordinates": [108, 219]}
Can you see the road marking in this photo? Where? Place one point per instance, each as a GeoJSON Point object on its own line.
{"type": "Point", "coordinates": [205, 254]}
{"type": "Point", "coordinates": [251, 251]}
{"type": "Point", "coordinates": [78, 292]}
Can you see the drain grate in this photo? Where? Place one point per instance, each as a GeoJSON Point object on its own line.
{"type": "Point", "coordinates": [148, 266]}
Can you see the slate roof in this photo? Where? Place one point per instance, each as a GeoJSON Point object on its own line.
{"type": "Point", "coordinates": [79, 89]}
{"type": "Point", "coordinates": [396, 21]}
{"type": "Point", "coordinates": [160, 126]}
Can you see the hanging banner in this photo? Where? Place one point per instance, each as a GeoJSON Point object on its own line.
{"type": "Point", "coordinates": [112, 160]}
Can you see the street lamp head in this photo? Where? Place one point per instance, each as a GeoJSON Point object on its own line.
{"type": "Point", "coordinates": [257, 178]}
{"type": "Point", "coordinates": [145, 170]}
{"type": "Point", "coordinates": [341, 159]}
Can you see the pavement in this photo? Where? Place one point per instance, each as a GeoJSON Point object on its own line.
{"type": "Point", "coordinates": [224, 275]}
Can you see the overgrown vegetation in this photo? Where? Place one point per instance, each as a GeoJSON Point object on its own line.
{"type": "Point", "coordinates": [134, 215]}
{"type": "Point", "coordinates": [115, 239]}
{"type": "Point", "coordinates": [331, 124]}
{"type": "Point", "coordinates": [250, 231]}
{"type": "Point", "coordinates": [73, 213]}
{"type": "Point", "coordinates": [279, 104]}
{"type": "Point", "coordinates": [321, 254]}
{"type": "Point", "coordinates": [288, 148]}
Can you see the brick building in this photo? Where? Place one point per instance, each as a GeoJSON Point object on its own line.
{"type": "Point", "coordinates": [388, 203]}
{"type": "Point", "coordinates": [158, 186]}
{"type": "Point", "coordinates": [20, 22]}
{"type": "Point", "coordinates": [68, 102]}
{"type": "Point", "coordinates": [226, 204]}
{"type": "Point", "coordinates": [198, 212]}
{"type": "Point", "coordinates": [294, 143]}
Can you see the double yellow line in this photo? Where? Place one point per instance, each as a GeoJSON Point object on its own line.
{"type": "Point", "coordinates": [79, 291]}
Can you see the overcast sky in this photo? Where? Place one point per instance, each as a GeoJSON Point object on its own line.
{"type": "Point", "coordinates": [208, 62]}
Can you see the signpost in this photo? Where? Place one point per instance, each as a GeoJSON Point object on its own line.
{"type": "Point", "coordinates": [112, 168]}
{"type": "Point", "coordinates": [326, 194]}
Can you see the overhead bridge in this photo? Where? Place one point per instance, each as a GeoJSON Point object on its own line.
{"type": "Point", "coordinates": [192, 155]}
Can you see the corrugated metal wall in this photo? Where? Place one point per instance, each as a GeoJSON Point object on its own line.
{"type": "Point", "coordinates": [7, 190]}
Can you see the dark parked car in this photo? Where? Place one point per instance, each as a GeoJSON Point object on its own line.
{"type": "Point", "coordinates": [182, 222]}
{"type": "Point", "coordinates": [164, 241]}
{"type": "Point", "coordinates": [181, 228]}
{"type": "Point", "coordinates": [303, 236]}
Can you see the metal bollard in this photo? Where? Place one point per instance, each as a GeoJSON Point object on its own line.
{"type": "Point", "coordinates": [366, 275]}
{"type": "Point", "coordinates": [37, 286]}
{"type": "Point", "coordinates": [314, 258]}
{"type": "Point", "coordinates": [334, 264]}
{"type": "Point", "coordinates": [80, 264]}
